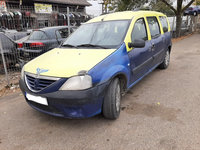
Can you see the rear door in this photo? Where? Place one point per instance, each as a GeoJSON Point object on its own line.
{"type": "Point", "coordinates": [140, 58]}
{"type": "Point", "coordinates": [157, 40]}
{"type": "Point", "coordinates": [166, 33]}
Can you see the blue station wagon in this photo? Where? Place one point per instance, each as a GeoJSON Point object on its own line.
{"type": "Point", "coordinates": [102, 59]}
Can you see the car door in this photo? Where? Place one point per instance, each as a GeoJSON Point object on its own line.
{"type": "Point", "coordinates": [140, 58]}
{"type": "Point", "coordinates": [157, 40]}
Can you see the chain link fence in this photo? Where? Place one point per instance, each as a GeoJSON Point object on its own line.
{"type": "Point", "coordinates": [24, 35]}
{"type": "Point", "coordinates": [189, 25]}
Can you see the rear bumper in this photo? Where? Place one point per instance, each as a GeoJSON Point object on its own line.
{"type": "Point", "coordinates": [28, 54]}
{"type": "Point", "coordinates": [70, 104]}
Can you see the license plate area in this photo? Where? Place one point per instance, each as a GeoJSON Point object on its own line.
{"type": "Point", "coordinates": [37, 99]}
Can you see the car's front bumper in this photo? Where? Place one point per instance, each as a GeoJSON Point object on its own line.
{"type": "Point", "coordinates": [70, 104]}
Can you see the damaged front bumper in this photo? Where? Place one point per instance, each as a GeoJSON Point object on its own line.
{"type": "Point", "coordinates": [69, 104]}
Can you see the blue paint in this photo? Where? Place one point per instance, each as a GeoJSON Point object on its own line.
{"type": "Point", "coordinates": [54, 87]}
{"type": "Point", "coordinates": [138, 80]}
{"type": "Point", "coordinates": [116, 63]}
{"type": "Point", "coordinates": [79, 111]}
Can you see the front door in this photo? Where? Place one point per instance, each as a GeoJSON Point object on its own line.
{"type": "Point", "coordinates": [140, 58]}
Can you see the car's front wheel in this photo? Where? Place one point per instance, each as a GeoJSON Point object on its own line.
{"type": "Point", "coordinates": [112, 100]}
{"type": "Point", "coordinates": [166, 61]}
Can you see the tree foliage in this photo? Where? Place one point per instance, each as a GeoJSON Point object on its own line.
{"type": "Point", "coordinates": [162, 7]}
{"type": "Point", "coordinates": [123, 5]}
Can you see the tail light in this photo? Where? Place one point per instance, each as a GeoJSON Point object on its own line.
{"type": "Point", "coordinates": [38, 44]}
{"type": "Point", "coordinates": [19, 45]}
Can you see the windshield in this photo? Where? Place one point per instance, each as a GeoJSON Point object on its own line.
{"type": "Point", "coordinates": [38, 35]}
{"type": "Point", "coordinates": [109, 34]}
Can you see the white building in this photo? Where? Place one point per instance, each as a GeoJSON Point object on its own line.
{"type": "Point", "coordinates": [95, 9]}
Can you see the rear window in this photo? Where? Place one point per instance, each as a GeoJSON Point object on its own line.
{"type": "Point", "coordinates": [38, 35]}
{"type": "Point", "coordinates": [153, 26]}
{"type": "Point", "coordinates": [164, 23]}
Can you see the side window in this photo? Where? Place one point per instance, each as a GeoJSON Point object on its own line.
{"type": "Point", "coordinates": [38, 35]}
{"type": "Point", "coordinates": [62, 33]}
{"type": "Point", "coordinates": [139, 30]}
{"type": "Point", "coordinates": [164, 23]}
{"type": "Point", "coordinates": [153, 26]}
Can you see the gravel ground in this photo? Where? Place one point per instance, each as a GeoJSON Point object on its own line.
{"type": "Point", "coordinates": [162, 112]}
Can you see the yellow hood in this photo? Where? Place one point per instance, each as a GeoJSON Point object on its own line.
{"type": "Point", "coordinates": [67, 62]}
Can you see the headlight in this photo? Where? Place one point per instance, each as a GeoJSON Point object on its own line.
{"type": "Point", "coordinates": [22, 73]}
{"type": "Point", "coordinates": [77, 83]}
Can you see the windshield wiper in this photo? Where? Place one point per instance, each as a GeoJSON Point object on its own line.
{"type": "Point", "coordinates": [68, 45]}
{"type": "Point", "coordinates": [91, 45]}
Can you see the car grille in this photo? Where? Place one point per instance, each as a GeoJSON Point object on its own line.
{"type": "Point", "coordinates": [37, 84]}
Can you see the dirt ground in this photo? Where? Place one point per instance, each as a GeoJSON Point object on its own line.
{"type": "Point", "coordinates": [162, 112]}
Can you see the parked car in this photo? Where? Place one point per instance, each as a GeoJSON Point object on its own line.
{"type": "Point", "coordinates": [41, 41]}
{"type": "Point", "coordinates": [8, 50]}
{"type": "Point", "coordinates": [194, 10]}
{"type": "Point", "coordinates": [14, 34]}
{"type": "Point", "coordinates": [19, 43]}
{"type": "Point", "coordinates": [102, 59]}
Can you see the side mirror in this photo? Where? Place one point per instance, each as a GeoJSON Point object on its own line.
{"type": "Point", "coordinates": [138, 43]}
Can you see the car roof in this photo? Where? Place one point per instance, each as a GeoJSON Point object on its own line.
{"type": "Point", "coordinates": [50, 31]}
{"type": "Point", "coordinates": [5, 36]}
{"type": "Point", "coordinates": [53, 28]}
{"type": "Point", "coordinates": [125, 15]}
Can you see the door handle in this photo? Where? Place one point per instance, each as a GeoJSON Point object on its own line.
{"type": "Point", "coordinates": [153, 47]}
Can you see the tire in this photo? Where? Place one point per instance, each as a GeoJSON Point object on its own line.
{"type": "Point", "coordinates": [112, 100]}
{"type": "Point", "coordinates": [195, 13]}
{"type": "Point", "coordinates": [165, 63]}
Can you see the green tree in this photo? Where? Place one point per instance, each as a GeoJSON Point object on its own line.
{"type": "Point", "coordinates": [162, 7]}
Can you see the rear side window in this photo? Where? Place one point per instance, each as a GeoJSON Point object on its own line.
{"type": "Point", "coordinates": [164, 23]}
{"type": "Point", "coordinates": [153, 26]}
{"type": "Point", "coordinates": [38, 35]}
{"type": "Point", "coordinates": [139, 30]}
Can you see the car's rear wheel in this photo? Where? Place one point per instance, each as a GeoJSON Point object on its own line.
{"type": "Point", "coordinates": [112, 100]}
{"type": "Point", "coordinates": [195, 13]}
{"type": "Point", "coordinates": [166, 61]}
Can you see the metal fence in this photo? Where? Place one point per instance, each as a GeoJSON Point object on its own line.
{"type": "Point", "coordinates": [12, 58]}
{"type": "Point", "coordinates": [189, 24]}
{"type": "Point", "coordinates": [15, 27]}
